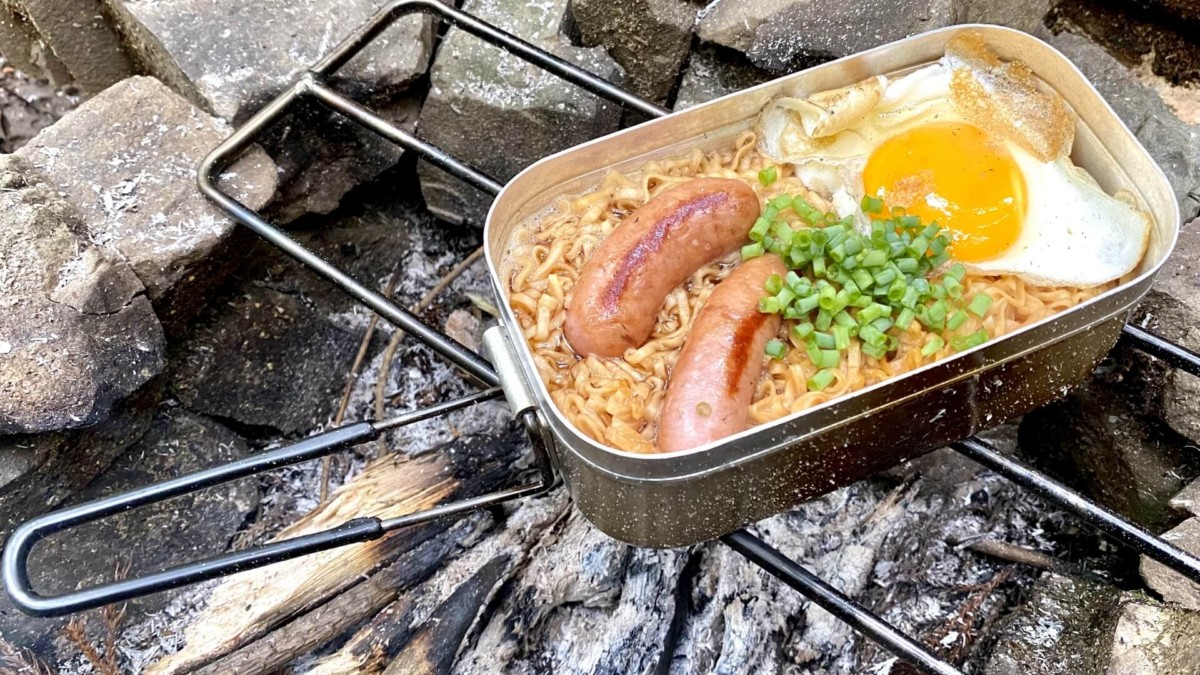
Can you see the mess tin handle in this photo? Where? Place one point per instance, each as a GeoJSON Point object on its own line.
{"type": "Point", "coordinates": [24, 538]}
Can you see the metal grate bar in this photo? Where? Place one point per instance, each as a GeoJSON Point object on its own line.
{"type": "Point", "coordinates": [1174, 355]}
{"type": "Point", "coordinates": [837, 603]}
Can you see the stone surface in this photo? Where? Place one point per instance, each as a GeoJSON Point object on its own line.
{"type": "Point", "coordinates": [1065, 628]}
{"type": "Point", "coordinates": [1172, 309]}
{"type": "Point", "coordinates": [24, 48]}
{"type": "Point", "coordinates": [1136, 35]}
{"type": "Point", "coordinates": [1184, 9]}
{"type": "Point", "coordinates": [648, 38]}
{"type": "Point", "coordinates": [1173, 144]}
{"type": "Point", "coordinates": [1103, 440]}
{"type": "Point", "coordinates": [774, 33]}
{"type": "Point", "coordinates": [147, 539]}
{"type": "Point", "coordinates": [232, 57]}
{"type": "Point", "coordinates": [1152, 639]}
{"type": "Point", "coordinates": [82, 38]}
{"type": "Point", "coordinates": [127, 158]}
{"type": "Point", "coordinates": [713, 72]}
{"type": "Point", "coordinates": [1026, 15]}
{"type": "Point", "coordinates": [77, 333]}
{"type": "Point", "coordinates": [1187, 502]}
{"type": "Point", "coordinates": [1173, 587]}
{"type": "Point", "coordinates": [501, 114]}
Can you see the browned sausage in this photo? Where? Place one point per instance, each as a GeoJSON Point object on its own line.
{"type": "Point", "coordinates": [661, 244]}
{"type": "Point", "coordinates": [713, 382]}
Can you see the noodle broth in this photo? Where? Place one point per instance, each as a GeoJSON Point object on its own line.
{"type": "Point", "coordinates": [617, 401]}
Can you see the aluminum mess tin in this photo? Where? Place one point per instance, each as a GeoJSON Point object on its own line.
{"type": "Point", "coordinates": [683, 498]}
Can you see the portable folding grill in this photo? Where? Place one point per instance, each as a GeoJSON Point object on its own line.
{"type": "Point", "coordinates": [313, 85]}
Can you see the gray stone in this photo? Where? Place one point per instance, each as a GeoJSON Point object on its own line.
{"type": "Point", "coordinates": [773, 33]}
{"type": "Point", "coordinates": [1173, 587]}
{"type": "Point", "coordinates": [1065, 628]}
{"type": "Point", "coordinates": [266, 360]}
{"type": "Point", "coordinates": [1174, 144]}
{"type": "Point", "coordinates": [146, 539]}
{"type": "Point", "coordinates": [714, 72]}
{"type": "Point", "coordinates": [232, 57]}
{"type": "Point", "coordinates": [77, 333]}
{"type": "Point", "coordinates": [28, 105]}
{"type": "Point", "coordinates": [1187, 502]}
{"type": "Point", "coordinates": [1150, 638]}
{"type": "Point", "coordinates": [81, 37]}
{"type": "Point", "coordinates": [501, 114]}
{"type": "Point", "coordinates": [649, 38]}
{"type": "Point", "coordinates": [1172, 309]}
{"type": "Point", "coordinates": [127, 159]}
{"type": "Point", "coordinates": [1025, 15]}
{"type": "Point", "coordinates": [1103, 440]}
{"type": "Point", "coordinates": [23, 47]}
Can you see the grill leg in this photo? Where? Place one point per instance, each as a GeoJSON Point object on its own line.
{"type": "Point", "coordinates": [836, 603]}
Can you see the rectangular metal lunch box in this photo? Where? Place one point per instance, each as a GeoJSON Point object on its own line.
{"type": "Point", "coordinates": [683, 498]}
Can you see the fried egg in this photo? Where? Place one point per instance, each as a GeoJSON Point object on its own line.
{"type": "Point", "coordinates": [974, 144]}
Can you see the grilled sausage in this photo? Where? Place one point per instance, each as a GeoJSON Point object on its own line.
{"type": "Point", "coordinates": [713, 382]}
{"type": "Point", "coordinates": [661, 244]}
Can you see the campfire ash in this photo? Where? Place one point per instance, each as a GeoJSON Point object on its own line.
{"type": "Point", "coordinates": [216, 346]}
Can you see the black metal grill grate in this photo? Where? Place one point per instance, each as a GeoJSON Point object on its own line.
{"type": "Point", "coordinates": [312, 85]}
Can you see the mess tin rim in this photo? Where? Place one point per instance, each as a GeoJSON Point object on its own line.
{"type": "Point", "coordinates": [510, 322]}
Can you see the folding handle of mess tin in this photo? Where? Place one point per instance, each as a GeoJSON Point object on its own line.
{"type": "Point", "coordinates": [16, 553]}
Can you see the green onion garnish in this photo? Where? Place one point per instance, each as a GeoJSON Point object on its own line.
{"type": "Point", "coordinates": [980, 304]}
{"type": "Point", "coordinates": [934, 345]}
{"type": "Point", "coordinates": [822, 379]}
{"type": "Point", "coordinates": [956, 320]}
{"type": "Point", "coordinates": [965, 342]}
{"type": "Point", "coordinates": [753, 250]}
{"type": "Point", "coordinates": [760, 229]}
{"type": "Point", "coordinates": [768, 175]}
{"type": "Point", "coordinates": [777, 349]}
{"type": "Point", "coordinates": [774, 284]}
{"type": "Point", "coordinates": [802, 330]}
{"type": "Point", "coordinates": [871, 204]}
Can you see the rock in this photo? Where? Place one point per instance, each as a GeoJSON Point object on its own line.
{"type": "Point", "coordinates": [465, 327]}
{"type": "Point", "coordinates": [714, 72]}
{"type": "Point", "coordinates": [1025, 15]}
{"type": "Point", "coordinates": [1065, 628]}
{"type": "Point", "coordinates": [82, 38]}
{"type": "Point", "coordinates": [232, 57]}
{"type": "Point", "coordinates": [1102, 440]}
{"type": "Point", "coordinates": [1151, 638]}
{"type": "Point", "coordinates": [127, 160]}
{"type": "Point", "coordinates": [266, 360]}
{"type": "Point", "coordinates": [1187, 501]}
{"type": "Point", "coordinates": [774, 33]}
{"type": "Point", "coordinates": [648, 38]}
{"type": "Point", "coordinates": [77, 333]}
{"type": "Point", "coordinates": [146, 539]}
{"type": "Point", "coordinates": [1184, 9]}
{"type": "Point", "coordinates": [479, 96]}
{"type": "Point", "coordinates": [24, 48]}
{"type": "Point", "coordinates": [1173, 144]}
{"type": "Point", "coordinates": [1172, 309]}
{"type": "Point", "coordinates": [1136, 35]}
{"type": "Point", "coordinates": [1173, 587]}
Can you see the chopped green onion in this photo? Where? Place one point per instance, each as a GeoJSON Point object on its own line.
{"type": "Point", "coordinates": [919, 246]}
{"type": "Point", "coordinates": [768, 175]}
{"type": "Point", "coordinates": [843, 318]}
{"type": "Point", "coordinates": [874, 259]}
{"type": "Point", "coordinates": [785, 296]}
{"type": "Point", "coordinates": [882, 324]}
{"type": "Point", "coordinates": [938, 311]}
{"type": "Point", "coordinates": [824, 320]}
{"type": "Point", "coordinates": [910, 297]}
{"type": "Point", "coordinates": [957, 271]}
{"type": "Point", "coordinates": [841, 337]}
{"type": "Point", "coordinates": [783, 232]}
{"type": "Point", "coordinates": [853, 245]}
{"type": "Point", "coordinates": [792, 312]}
{"type": "Point", "coordinates": [910, 222]}
{"type": "Point", "coordinates": [931, 230]}
{"type": "Point", "coordinates": [896, 291]}
{"type": "Point", "coordinates": [777, 349]}
{"type": "Point", "coordinates": [980, 304]}
{"type": "Point", "coordinates": [808, 302]}
{"type": "Point", "coordinates": [905, 318]}
{"type": "Point", "coordinates": [781, 202]}
{"type": "Point", "coordinates": [769, 305]}
{"type": "Point", "coordinates": [823, 340]}
{"type": "Point", "coordinates": [939, 259]}
{"type": "Point", "coordinates": [760, 229]}
{"type": "Point", "coordinates": [965, 342]}
{"type": "Point", "coordinates": [770, 212]}
{"type": "Point", "coordinates": [875, 351]}
{"type": "Point", "coordinates": [821, 379]}
{"type": "Point", "coordinates": [829, 359]}
{"type": "Point", "coordinates": [774, 284]}
{"type": "Point", "coordinates": [871, 204]}
{"type": "Point", "coordinates": [956, 320]}
{"type": "Point", "coordinates": [932, 347]}
{"type": "Point", "coordinates": [872, 335]}
{"type": "Point", "coordinates": [862, 301]}
{"type": "Point", "coordinates": [802, 330]}
{"type": "Point", "coordinates": [907, 265]}
{"type": "Point", "coordinates": [819, 265]}
{"type": "Point", "coordinates": [753, 250]}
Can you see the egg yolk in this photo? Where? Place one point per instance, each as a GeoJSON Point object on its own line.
{"type": "Point", "coordinates": [958, 175]}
